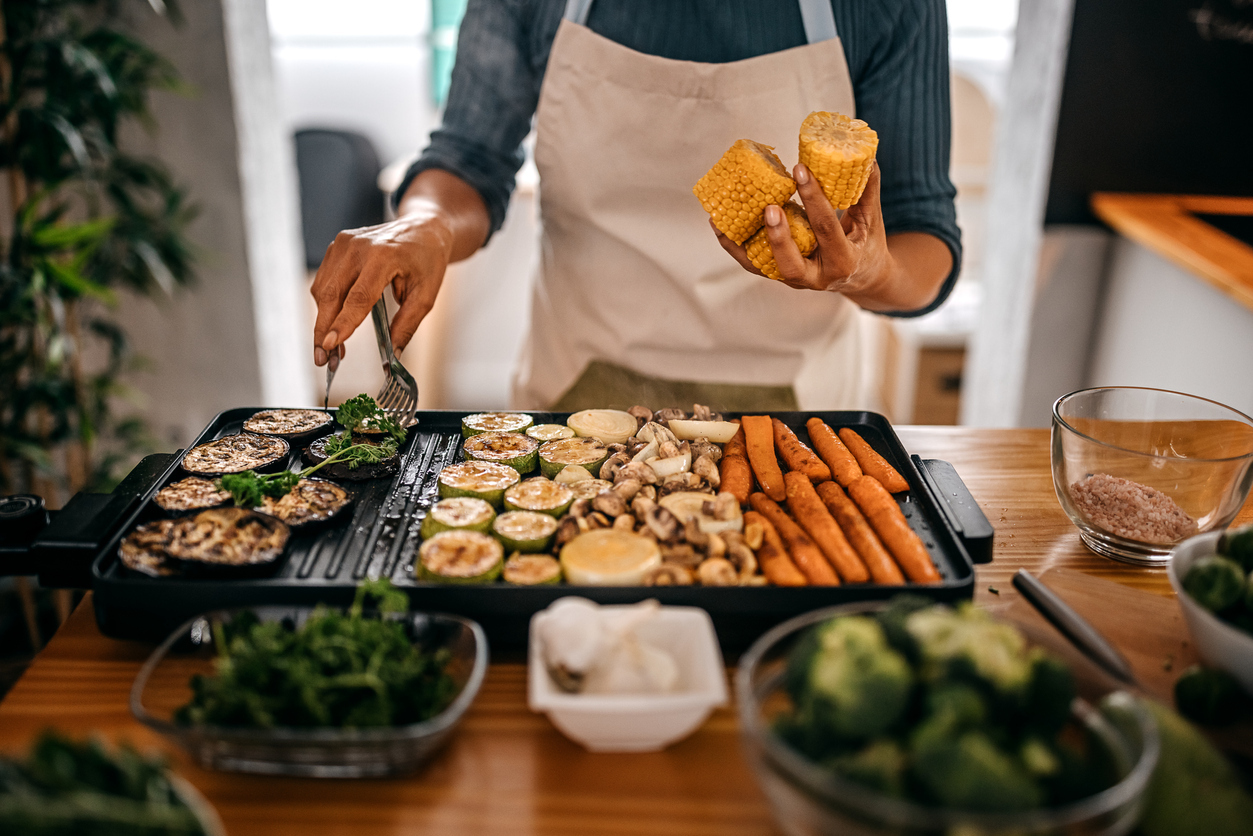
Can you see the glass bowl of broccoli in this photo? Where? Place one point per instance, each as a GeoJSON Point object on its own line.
{"type": "Point", "coordinates": [314, 691]}
{"type": "Point", "coordinates": [919, 718]}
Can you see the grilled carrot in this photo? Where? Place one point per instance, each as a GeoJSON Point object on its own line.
{"type": "Point", "coordinates": [832, 451]}
{"type": "Point", "coordinates": [816, 520]}
{"type": "Point", "coordinates": [889, 523]}
{"type": "Point", "coordinates": [772, 556]}
{"type": "Point", "coordinates": [759, 439]}
{"type": "Point", "coordinates": [735, 472]}
{"type": "Point", "coordinates": [883, 568]}
{"type": "Point", "coordinates": [805, 554]}
{"type": "Point", "coordinates": [796, 455]}
{"type": "Point", "coordinates": [872, 464]}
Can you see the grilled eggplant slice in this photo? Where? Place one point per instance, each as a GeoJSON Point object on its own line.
{"type": "Point", "coordinates": [291, 424]}
{"type": "Point", "coordinates": [190, 494]}
{"type": "Point", "coordinates": [143, 550]}
{"type": "Point", "coordinates": [315, 453]}
{"type": "Point", "coordinates": [237, 453]}
{"type": "Point", "coordinates": [514, 449]}
{"type": "Point", "coordinates": [311, 502]}
{"type": "Point", "coordinates": [226, 539]}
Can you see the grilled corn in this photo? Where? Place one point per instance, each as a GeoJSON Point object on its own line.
{"type": "Point", "coordinates": [840, 153]}
{"type": "Point", "coordinates": [737, 190]}
{"type": "Point", "coordinates": [758, 247]}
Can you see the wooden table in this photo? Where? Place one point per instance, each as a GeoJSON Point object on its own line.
{"type": "Point", "coordinates": [508, 770]}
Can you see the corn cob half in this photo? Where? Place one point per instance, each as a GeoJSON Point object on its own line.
{"type": "Point", "coordinates": [758, 247]}
{"type": "Point", "coordinates": [737, 190]}
{"type": "Point", "coordinates": [840, 153]}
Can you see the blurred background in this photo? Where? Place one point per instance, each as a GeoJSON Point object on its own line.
{"type": "Point", "coordinates": [256, 130]}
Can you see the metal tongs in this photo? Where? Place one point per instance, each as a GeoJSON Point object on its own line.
{"type": "Point", "coordinates": [399, 395]}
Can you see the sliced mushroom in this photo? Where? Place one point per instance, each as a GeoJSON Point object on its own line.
{"type": "Point", "coordinates": [705, 447]}
{"type": "Point", "coordinates": [662, 416]}
{"type": "Point", "coordinates": [648, 492]}
{"type": "Point", "coordinates": [742, 558]}
{"type": "Point", "coordinates": [726, 506]}
{"type": "Point", "coordinates": [717, 572]}
{"type": "Point", "coordinates": [705, 468]}
{"type": "Point", "coordinates": [642, 414]}
{"type": "Point", "coordinates": [716, 547]}
{"type": "Point", "coordinates": [597, 520]}
{"type": "Point", "coordinates": [693, 534]}
{"type": "Point", "coordinates": [668, 574]}
{"type": "Point", "coordinates": [567, 530]}
{"type": "Point", "coordinates": [635, 445]}
{"type": "Point", "coordinates": [638, 471]}
{"type": "Point", "coordinates": [662, 523]}
{"type": "Point", "coordinates": [682, 482]}
{"type": "Point", "coordinates": [612, 465]}
{"type": "Point", "coordinates": [616, 448]}
{"type": "Point", "coordinates": [609, 503]}
{"type": "Point", "coordinates": [681, 553]}
{"type": "Point", "coordinates": [627, 489]}
{"type": "Point", "coordinates": [641, 505]}
{"type": "Point", "coordinates": [659, 433]}
{"type": "Point", "coordinates": [626, 522]}
{"type": "Point", "coordinates": [668, 449]}
{"type": "Point", "coordinates": [580, 507]}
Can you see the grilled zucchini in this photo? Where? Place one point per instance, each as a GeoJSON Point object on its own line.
{"type": "Point", "coordinates": [460, 557]}
{"type": "Point", "coordinates": [513, 449]}
{"type": "Point", "coordinates": [459, 512]}
{"type": "Point", "coordinates": [588, 453]}
{"type": "Point", "coordinates": [499, 422]}
{"type": "Point", "coordinates": [539, 494]}
{"type": "Point", "coordinates": [483, 480]}
{"type": "Point", "coordinates": [525, 531]}
{"type": "Point", "coordinates": [532, 570]}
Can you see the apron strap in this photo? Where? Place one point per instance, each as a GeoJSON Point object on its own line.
{"type": "Point", "coordinates": [817, 16]}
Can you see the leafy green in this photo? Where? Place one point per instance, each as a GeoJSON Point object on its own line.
{"type": "Point", "coordinates": [349, 670]}
{"type": "Point", "coordinates": [66, 788]}
{"type": "Point", "coordinates": [362, 412]}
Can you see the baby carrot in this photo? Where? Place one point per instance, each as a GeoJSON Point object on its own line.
{"type": "Point", "coordinates": [736, 475]}
{"type": "Point", "coordinates": [772, 556]}
{"type": "Point", "coordinates": [805, 554]}
{"type": "Point", "coordinates": [872, 463]}
{"type": "Point", "coordinates": [843, 466]}
{"type": "Point", "coordinates": [759, 439]}
{"type": "Point", "coordinates": [813, 516]}
{"type": "Point", "coordinates": [890, 524]}
{"type": "Point", "coordinates": [796, 455]}
{"type": "Point", "coordinates": [883, 568]}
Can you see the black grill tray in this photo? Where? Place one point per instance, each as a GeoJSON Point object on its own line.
{"type": "Point", "coordinates": [380, 538]}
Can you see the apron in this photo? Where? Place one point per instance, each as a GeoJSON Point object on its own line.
{"type": "Point", "coordinates": [631, 276]}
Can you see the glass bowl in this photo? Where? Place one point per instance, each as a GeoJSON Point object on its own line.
{"type": "Point", "coordinates": [162, 686]}
{"type": "Point", "coordinates": [1129, 463]}
{"type": "Point", "coordinates": [807, 799]}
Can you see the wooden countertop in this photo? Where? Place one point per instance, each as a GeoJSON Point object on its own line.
{"type": "Point", "coordinates": [1165, 224]}
{"type": "Point", "coordinates": [508, 770]}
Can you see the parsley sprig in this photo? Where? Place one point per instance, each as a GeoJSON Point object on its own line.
{"type": "Point", "coordinates": [249, 488]}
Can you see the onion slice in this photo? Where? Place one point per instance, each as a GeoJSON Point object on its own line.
{"type": "Point", "coordinates": [681, 463]}
{"type": "Point", "coordinates": [609, 426]}
{"type": "Point", "coordinates": [719, 432]}
{"type": "Point", "coordinates": [572, 473]}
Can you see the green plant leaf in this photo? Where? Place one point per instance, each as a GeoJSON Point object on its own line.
{"type": "Point", "coordinates": [78, 283]}
{"type": "Point", "coordinates": [78, 235]}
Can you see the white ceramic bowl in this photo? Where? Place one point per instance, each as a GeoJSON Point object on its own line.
{"type": "Point", "coordinates": [1220, 644]}
{"type": "Point", "coordinates": [639, 722]}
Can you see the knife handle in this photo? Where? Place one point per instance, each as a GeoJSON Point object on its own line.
{"type": "Point", "coordinates": [1074, 627]}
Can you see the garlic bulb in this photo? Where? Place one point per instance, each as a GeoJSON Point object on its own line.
{"type": "Point", "coordinates": [589, 649]}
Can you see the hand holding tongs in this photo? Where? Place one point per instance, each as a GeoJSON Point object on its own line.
{"type": "Point", "coordinates": [399, 395]}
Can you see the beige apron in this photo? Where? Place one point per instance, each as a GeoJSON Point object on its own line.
{"type": "Point", "coordinates": [630, 272]}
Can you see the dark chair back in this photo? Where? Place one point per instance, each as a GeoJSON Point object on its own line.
{"type": "Point", "coordinates": [338, 187]}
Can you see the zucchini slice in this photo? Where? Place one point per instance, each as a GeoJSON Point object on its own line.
{"type": "Point", "coordinates": [525, 531]}
{"type": "Point", "coordinates": [588, 453]}
{"type": "Point", "coordinates": [482, 480]}
{"type": "Point", "coordinates": [513, 449]}
{"type": "Point", "coordinates": [532, 570]}
{"type": "Point", "coordinates": [609, 557]}
{"type": "Point", "coordinates": [549, 432]}
{"type": "Point", "coordinates": [498, 422]}
{"type": "Point", "coordinates": [589, 488]}
{"type": "Point", "coordinates": [539, 494]}
{"type": "Point", "coordinates": [458, 512]}
{"type": "Point", "coordinates": [460, 557]}
{"type": "Point", "coordinates": [611, 426]}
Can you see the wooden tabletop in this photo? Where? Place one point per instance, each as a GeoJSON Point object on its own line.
{"type": "Point", "coordinates": [508, 770]}
{"type": "Point", "coordinates": [1167, 225]}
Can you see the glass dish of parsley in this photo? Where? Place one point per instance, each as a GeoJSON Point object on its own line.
{"type": "Point", "coordinates": [365, 691]}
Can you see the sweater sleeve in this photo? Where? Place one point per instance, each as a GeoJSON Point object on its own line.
{"type": "Point", "coordinates": [490, 104]}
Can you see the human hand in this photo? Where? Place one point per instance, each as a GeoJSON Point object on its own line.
{"type": "Point", "coordinates": [411, 253]}
{"type": "Point", "coordinates": [852, 255]}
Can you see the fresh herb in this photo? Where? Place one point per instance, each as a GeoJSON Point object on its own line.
{"type": "Point", "coordinates": [64, 787]}
{"type": "Point", "coordinates": [349, 670]}
{"type": "Point", "coordinates": [249, 488]}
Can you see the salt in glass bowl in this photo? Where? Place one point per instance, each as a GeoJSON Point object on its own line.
{"type": "Point", "coordinates": [1181, 453]}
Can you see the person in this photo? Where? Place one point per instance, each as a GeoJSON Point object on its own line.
{"type": "Point", "coordinates": [636, 300]}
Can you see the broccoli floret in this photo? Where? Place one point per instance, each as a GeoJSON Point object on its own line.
{"type": "Point", "coordinates": [1237, 544]}
{"type": "Point", "coordinates": [1215, 582]}
{"type": "Point", "coordinates": [1209, 697]}
{"type": "Point", "coordinates": [856, 685]}
{"type": "Point", "coordinates": [1038, 758]}
{"type": "Point", "coordinates": [966, 642]}
{"type": "Point", "coordinates": [1050, 694]}
{"type": "Point", "coordinates": [970, 772]}
{"type": "Point", "coordinates": [892, 620]}
{"type": "Point", "coordinates": [880, 766]}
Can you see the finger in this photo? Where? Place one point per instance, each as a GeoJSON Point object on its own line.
{"type": "Point", "coordinates": [866, 213]}
{"type": "Point", "coordinates": [792, 265]}
{"type": "Point", "coordinates": [330, 285]}
{"type": "Point", "coordinates": [418, 302]}
{"type": "Point", "coordinates": [737, 251]}
{"type": "Point", "coordinates": [365, 291]}
{"type": "Point", "coordinates": [822, 215]}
